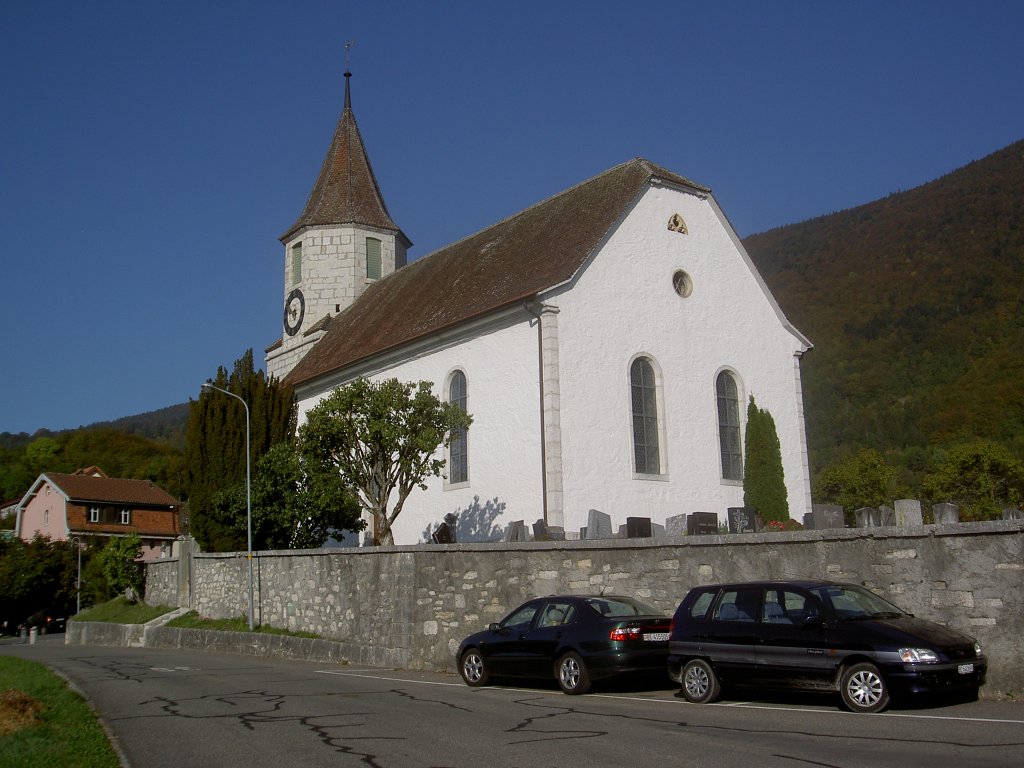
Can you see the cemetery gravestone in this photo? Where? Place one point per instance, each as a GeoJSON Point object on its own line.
{"type": "Point", "coordinates": [638, 528]}
{"type": "Point", "coordinates": [742, 520]}
{"type": "Point", "coordinates": [945, 513]}
{"type": "Point", "coordinates": [702, 524]}
{"type": "Point", "coordinates": [827, 516]}
{"type": "Point", "coordinates": [599, 525]}
{"type": "Point", "coordinates": [908, 513]}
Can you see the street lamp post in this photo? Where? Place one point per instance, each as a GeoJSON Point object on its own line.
{"type": "Point", "coordinates": [78, 584]}
{"type": "Point", "coordinates": [248, 488]}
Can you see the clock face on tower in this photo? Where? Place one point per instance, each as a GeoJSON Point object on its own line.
{"type": "Point", "coordinates": [294, 310]}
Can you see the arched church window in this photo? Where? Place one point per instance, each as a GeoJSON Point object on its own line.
{"type": "Point", "coordinates": [644, 396]}
{"type": "Point", "coordinates": [373, 263]}
{"type": "Point", "coordinates": [458, 448]}
{"type": "Point", "coordinates": [729, 426]}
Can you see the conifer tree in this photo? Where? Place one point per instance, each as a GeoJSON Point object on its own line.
{"type": "Point", "coordinates": [764, 486]}
{"type": "Point", "coordinates": [215, 446]}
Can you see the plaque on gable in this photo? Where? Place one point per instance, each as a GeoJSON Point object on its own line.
{"type": "Point", "coordinates": [638, 528]}
{"type": "Point", "coordinates": [599, 525]}
{"type": "Point", "coordinates": [676, 224]}
{"type": "Point", "coordinates": [827, 516]}
{"type": "Point", "coordinates": [742, 520]}
{"type": "Point", "coordinates": [702, 524]}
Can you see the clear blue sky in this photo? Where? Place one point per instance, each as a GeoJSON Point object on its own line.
{"type": "Point", "coordinates": [151, 153]}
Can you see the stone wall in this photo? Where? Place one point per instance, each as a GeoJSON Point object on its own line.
{"type": "Point", "coordinates": [162, 581]}
{"type": "Point", "coordinates": [410, 606]}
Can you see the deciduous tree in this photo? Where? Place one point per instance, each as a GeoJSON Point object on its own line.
{"type": "Point", "coordinates": [863, 480]}
{"type": "Point", "coordinates": [980, 477]}
{"type": "Point", "coordinates": [383, 438]}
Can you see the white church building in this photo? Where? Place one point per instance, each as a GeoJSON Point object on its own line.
{"type": "Point", "coordinates": [605, 340]}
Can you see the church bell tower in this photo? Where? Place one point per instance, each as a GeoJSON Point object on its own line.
{"type": "Point", "coordinates": [343, 240]}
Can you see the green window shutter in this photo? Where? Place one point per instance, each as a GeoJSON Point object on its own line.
{"type": "Point", "coordinates": [373, 263]}
{"type": "Point", "coordinates": [296, 263]}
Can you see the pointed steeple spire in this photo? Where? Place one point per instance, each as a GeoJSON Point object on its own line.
{"type": "Point", "coordinates": [346, 191]}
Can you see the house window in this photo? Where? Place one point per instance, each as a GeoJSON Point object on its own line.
{"type": "Point", "coordinates": [646, 453]}
{"type": "Point", "coordinates": [458, 448]}
{"type": "Point", "coordinates": [729, 426]}
{"type": "Point", "coordinates": [126, 516]}
{"type": "Point", "coordinates": [94, 514]}
{"type": "Point", "coordinates": [46, 517]}
{"type": "Point", "coordinates": [297, 263]}
{"type": "Point", "coordinates": [373, 264]}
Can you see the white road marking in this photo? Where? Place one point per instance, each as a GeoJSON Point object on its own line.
{"type": "Point", "coordinates": [617, 697]}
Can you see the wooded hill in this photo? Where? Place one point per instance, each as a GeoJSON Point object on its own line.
{"type": "Point", "coordinates": [914, 305]}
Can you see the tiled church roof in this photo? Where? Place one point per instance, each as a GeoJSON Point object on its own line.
{"type": "Point", "coordinates": [512, 261]}
{"type": "Point", "coordinates": [346, 191]}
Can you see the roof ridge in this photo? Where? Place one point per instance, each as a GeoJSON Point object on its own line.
{"type": "Point", "coordinates": [524, 211]}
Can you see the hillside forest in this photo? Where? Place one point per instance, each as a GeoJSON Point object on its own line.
{"type": "Point", "coordinates": [913, 304]}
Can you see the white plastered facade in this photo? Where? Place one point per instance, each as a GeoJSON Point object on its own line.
{"type": "Point", "coordinates": [619, 306]}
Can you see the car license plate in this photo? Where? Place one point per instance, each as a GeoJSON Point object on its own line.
{"type": "Point", "coordinates": [965, 669]}
{"type": "Point", "coordinates": [655, 636]}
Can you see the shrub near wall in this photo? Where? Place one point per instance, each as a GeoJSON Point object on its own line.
{"type": "Point", "coordinates": [410, 606]}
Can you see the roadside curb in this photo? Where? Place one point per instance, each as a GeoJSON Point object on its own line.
{"type": "Point", "coordinates": [155, 635]}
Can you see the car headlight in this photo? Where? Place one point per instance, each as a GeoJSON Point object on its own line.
{"type": "Point", "coordinates": [917, 655]}
{"type": "Point", "coordinates": [977, 650]}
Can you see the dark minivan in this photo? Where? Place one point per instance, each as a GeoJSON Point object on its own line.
{"type": "Point", "coordinates": [815, 635]}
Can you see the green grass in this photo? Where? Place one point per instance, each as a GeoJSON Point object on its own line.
{"type": "Point", "coordinates": [192, 620]}
{"type": "Point", "coordinates": [63, 729]}
{"type": "Point", "coordinates": [121, 611]}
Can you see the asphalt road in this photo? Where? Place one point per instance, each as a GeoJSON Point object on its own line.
{"type": "Point", "coordinates": [174, 709]}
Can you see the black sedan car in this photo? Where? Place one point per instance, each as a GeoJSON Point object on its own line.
{"type": "Point", "coordinates": [815, 635]}
{"type": "Point", "coordinates": [575, 639]}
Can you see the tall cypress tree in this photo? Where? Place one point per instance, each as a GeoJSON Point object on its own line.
{"type": "Point", "coordinates": [215, 446]}
{"type": "Point", "coordinates": [764, 481]}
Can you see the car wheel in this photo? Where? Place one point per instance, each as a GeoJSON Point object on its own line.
{"type": "Point", "coordinates": [472, 669]}
{"type": "Point", "coordinates": [572, 674]}
{"type": "Point", "coordinates": [700, 684]}
{"type": "Point", "coordinates": [864, 688]}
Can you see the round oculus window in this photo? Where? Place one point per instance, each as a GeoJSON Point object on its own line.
{"type": "Point", "coordinates": [682, 283]}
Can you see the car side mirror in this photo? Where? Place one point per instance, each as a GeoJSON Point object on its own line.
{"type": "Point", "coordinates": [814, 621]}
{"type": "Point", "coordinates": [494, 626]}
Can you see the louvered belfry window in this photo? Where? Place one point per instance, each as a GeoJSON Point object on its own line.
{"type": "Point", "coordinates": [647, 457]}
{"type": "Point", "coordinates": [296, 263]}
{"type": "Point", "coordinates": [373, 263]}
{"type": "Point", "coordinates": [729, 426]}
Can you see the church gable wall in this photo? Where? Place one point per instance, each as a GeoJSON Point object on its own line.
{"type": "Point", "coordinates": [624, 305]}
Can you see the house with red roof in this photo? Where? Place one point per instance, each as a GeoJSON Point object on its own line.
{"type": "Point", "coordinates": [87, 503]}
{"type": "Point", "coordinates": [606, 341]}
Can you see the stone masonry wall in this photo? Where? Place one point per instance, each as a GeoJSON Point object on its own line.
{"type": "Point", "coordinates": [162, 581]}
{"type": "Point", "coordinates": [410, 606]}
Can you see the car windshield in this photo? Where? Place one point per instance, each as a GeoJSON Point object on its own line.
{"type": "Point", "coordinates": [851, 602]}
{"type": "Point", "coordinates": [617, 607]}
